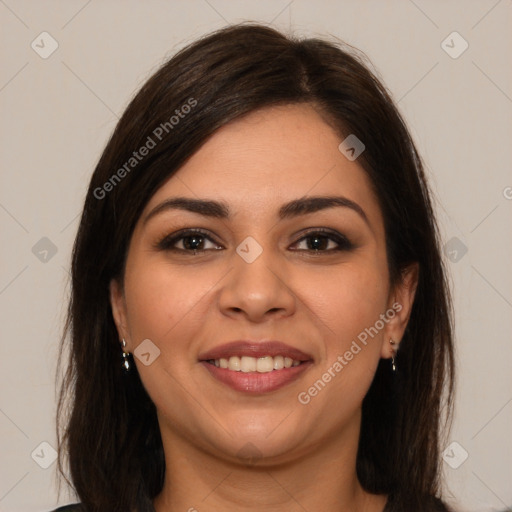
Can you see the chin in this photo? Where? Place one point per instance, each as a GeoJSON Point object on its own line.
{"type": "Point", "coordinates": [261, 444]}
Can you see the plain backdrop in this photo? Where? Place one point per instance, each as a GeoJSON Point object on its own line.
{"type": "Point", "coordinates": [58, 110]}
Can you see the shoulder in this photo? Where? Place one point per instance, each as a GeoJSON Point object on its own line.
{"type": "Point", "coordinates": [75, 507]}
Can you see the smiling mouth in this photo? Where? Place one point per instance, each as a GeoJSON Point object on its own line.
{"type": "Point", "coordinates": [255, 367]}
{"type": "Point", "coordinates": [256, 375]}
{"type": "Point", "coordinates": [247, 364]}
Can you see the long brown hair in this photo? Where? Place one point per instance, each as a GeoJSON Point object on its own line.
{"type": "Point", "coordinates": [110, 432]}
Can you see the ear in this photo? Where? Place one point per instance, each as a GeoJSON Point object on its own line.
{"type": "Point", "coordinates": [400, 301]}
{"type": "Point", "coordinates": [118, 304]}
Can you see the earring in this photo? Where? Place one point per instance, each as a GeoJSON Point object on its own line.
{"type": "Point", "coordinates": [393, 365]}
{"type": "Point", "coordinates": [126, 361]}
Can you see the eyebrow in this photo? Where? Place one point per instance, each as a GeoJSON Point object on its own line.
{"type": "Point", "coordinates": [220, 210]}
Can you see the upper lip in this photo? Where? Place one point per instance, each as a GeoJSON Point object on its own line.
{"type": "Point", "coordinates": [254, 349]}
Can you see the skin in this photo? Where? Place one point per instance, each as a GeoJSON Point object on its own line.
{"type": "Point", "coordinates": [305, 455]}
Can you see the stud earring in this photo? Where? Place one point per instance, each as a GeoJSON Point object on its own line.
{"type": "Point", "coordinates": [126, 361]}
{"type": "Point", "coordinates": [393, 365]}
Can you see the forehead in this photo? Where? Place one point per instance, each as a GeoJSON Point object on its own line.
{"type": "Point", "coordinates": [271, 156]}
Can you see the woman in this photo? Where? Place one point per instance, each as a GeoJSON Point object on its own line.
{"type": "Point", "coordinates": [259, 316]}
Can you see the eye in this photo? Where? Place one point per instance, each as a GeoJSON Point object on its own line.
{"type": "Point", "coordinates": [188, 240]}
{"type": "Point", "coordinates": [319, 240]}
{"type": "Point", "coordinates": [324, 240]}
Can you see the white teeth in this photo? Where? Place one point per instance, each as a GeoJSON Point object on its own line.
{"type": "Point", "coordinates": [247, 364]}
{"type": "Point", "coordinates": [265, 364]}
{"type": "Point", "coordinates": [278, 362]}
{"type": "Point", "coordinates": [255, 364]}
{"type": "Point", "coordinates": [234, 363]}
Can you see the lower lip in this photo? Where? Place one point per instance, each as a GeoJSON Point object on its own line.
{"type": "Point", "coordinates": [255, 382]}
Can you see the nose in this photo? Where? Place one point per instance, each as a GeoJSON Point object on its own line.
{"type": "Point", "coordinates": [258, 291]}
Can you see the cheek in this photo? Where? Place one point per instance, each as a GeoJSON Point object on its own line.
{"type": "Point", "coordinates": [354, 297]}
{"type": "Point", "coordinates": [348, 299]}
{"type": "Point", "coordinates": [164, 301]}
{"type": "Point", "coordinates": [164, 306]}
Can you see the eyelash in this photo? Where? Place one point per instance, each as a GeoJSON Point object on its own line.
{"type": "Point", "coordinates": [167, 242]}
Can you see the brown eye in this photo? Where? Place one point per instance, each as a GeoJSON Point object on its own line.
{"type": "Point", "coordinates": [324, 241]}
{"type": "Point", "coordinates": [188, 241]}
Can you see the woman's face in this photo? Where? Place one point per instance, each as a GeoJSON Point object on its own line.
{"type": "Point", "coordinates": [269, 264]}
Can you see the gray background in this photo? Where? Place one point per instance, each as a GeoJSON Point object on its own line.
{"type": "Point", "coordinates": [58, 112]}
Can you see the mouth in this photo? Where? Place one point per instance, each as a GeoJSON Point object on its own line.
{"type": "Point", "coordinates": [248, 364]}
{"type": "Point", "coordinates": [255, 368]}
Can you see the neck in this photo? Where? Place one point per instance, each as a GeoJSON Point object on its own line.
{"type": "Point", "coordinates": [323, 478]}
